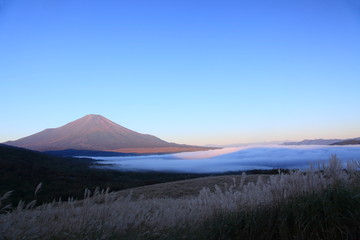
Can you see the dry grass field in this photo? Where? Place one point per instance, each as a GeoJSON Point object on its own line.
{"type": "Point", "coordinates": [320, 203]}
{"type": "Point", "coordinates": [191, 187]}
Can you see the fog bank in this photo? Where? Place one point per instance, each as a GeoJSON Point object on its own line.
{"type": "Point", "coordinates": [233, 159]}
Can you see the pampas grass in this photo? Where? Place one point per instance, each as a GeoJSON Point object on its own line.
{"type": "Point", "coordinates": [105, 215]}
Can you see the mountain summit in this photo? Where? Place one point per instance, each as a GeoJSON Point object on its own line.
{"type": "Point", "coordinates": [95, 132]}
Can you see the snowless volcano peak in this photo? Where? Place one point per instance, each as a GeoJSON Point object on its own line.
{"type": "Point", "coordinates": [91, 132]}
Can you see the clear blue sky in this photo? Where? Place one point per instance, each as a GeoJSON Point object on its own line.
{"type": "Point", "coordinates": [187, 71]}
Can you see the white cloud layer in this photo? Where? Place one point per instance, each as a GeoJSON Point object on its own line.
{"type": "Point", "coordinates": [234, 159]}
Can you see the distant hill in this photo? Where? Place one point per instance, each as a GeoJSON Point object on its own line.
{"type": "Point", "coordinates": [347, 142]}
{"type": "Point", "coordinates": [314, 142]}
{"type": "Point", "coordinates": [97, 133]}
{"type": "Point", "coordinates": [323, 142]}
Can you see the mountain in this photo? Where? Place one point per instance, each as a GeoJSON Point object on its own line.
{"type": "Point", "coordinates": [87, 153]}
{"type": "Point", "coordinates": [324, 142]}
{"type": "Point", "coordinates": [348, 142]}
{"type": "Point", "coordinates": [314, 142]}
{"type": "Point", "coordinates": [97, 133]}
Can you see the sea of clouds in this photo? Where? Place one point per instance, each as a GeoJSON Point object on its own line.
{"type": "Point", "coordinates": [233, 159]}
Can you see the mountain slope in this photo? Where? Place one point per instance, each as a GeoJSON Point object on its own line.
{"type": "Point", "coordinates": [348, 142]}
{"type": "Point", "coordinates": [91, 132]}
{"type": "Point", "coordinates": [314, 142]}
{"type": "Point", "coordinates": [324, 142]}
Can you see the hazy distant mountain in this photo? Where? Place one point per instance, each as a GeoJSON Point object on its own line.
{"type": "Point", "coordinates": [314, 142]}
{"type": "Point", "coordinates": [348, 142]}
{"type": "Point", "coordinates": [95, 132]}
{"type": "Point", "coordinates": [322, 142]}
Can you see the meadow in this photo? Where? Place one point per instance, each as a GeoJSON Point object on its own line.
{"type": "Point", "coordinates": [322, 202]}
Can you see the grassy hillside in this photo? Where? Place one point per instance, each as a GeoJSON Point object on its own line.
{"type": "Point", "coordinates": [189, 187]}
{"type": "Point", "coordinates": [320, 203]}
{"type": "Point", "coordinates": [22, 170]}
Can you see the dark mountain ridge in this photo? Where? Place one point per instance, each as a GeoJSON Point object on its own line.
{"type": "Point", "coordinates": [348, 142]}
{"type": "Point", "coordinates": [321, 142]}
